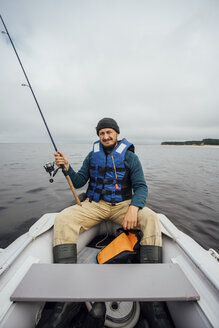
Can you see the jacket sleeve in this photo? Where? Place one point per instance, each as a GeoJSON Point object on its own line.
{"type": "Point", "coordinates": [80, 178]}
{"type": "Point", "coordinates": [138, 182]}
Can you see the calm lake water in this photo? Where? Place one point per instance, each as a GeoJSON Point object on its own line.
{"type": "Point", "coordinates": [183, 184]}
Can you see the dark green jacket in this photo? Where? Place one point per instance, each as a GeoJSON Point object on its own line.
{"type": "Point", "coordinates": [132, 163]}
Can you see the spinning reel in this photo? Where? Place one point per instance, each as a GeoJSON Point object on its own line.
{"type": "Point", "coordinates": [50, 168]}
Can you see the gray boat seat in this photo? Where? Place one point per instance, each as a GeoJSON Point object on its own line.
{"type": "Point", "coordinates": [106, 282]}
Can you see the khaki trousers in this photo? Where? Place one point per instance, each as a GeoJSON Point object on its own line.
{"type": "Point", "coordinates": [75, 219]}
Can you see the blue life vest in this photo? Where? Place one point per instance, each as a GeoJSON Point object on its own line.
{"type": "Point", "coordinates": [109, 179]}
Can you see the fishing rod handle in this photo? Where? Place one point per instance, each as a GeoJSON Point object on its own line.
{"type": "Point", "coordinates": [73, 190]}
{"type": "Point", "coordinates": [71, 185]}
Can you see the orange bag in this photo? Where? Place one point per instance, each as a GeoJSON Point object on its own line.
{"type": "Point", "coordinates": [122, 249]}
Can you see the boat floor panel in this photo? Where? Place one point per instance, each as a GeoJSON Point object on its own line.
{"type": "Point", "coordinates": [109, 282]}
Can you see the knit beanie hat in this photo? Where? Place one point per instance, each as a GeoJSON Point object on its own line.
{"type": "Point", "coordinates": [107, 123]}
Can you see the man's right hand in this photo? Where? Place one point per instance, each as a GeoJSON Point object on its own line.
{"type": "Point", "coordinates": [60, 159]}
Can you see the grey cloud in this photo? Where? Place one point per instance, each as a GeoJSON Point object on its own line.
{"type": "Point", "coordinates": [153, 66]}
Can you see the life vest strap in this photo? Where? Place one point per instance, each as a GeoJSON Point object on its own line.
{"type": "Point", "coordinates": [104, 169]}
{"type": "Point", "coordinates": [106, 181]}
{"type": "Point", "coordinates": [102, 181]}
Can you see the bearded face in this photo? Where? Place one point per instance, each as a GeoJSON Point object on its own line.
{"type": "Point", "coordinates": [108, 138]}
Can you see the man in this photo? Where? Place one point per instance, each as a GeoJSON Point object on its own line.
{"type": "Point", "coordinates": [113, 171]}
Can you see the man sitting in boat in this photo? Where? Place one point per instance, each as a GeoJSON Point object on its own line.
{"type": "Point", "coordinates": [117, 191]}
{"type": "Point", "coordinates": [113, 171]}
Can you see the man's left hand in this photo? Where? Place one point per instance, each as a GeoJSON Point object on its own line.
{"type": "Point", "coordinates": [131, 218]}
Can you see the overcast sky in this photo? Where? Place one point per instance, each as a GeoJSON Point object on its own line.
{"type": "Point", "coordinates": [151, 65]}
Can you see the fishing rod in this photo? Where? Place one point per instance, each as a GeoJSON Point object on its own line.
{"type": "Point", "coordinates": [49, 167]}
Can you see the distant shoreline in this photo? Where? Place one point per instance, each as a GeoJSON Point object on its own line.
{"type": "Point", "coordinates": [203, 142]}
{"type": "Point", "coordinates": [204, 146]}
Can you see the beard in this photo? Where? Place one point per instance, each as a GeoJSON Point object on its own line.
{"type": "Point", "coordinates": [109, 148]}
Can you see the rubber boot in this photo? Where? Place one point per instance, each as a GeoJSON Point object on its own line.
{"type": "Point", "coordinates": [150, 254]}
{"type": "Point", "coordinates": [60, 314]}
{"type": "Point", "coordinates": [156, 313]}
{"type": "Point", "coordinates": [65, 253]}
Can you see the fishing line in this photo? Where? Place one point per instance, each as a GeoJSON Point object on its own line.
{"type": "Point", "coordinates": [28, 82]}
{"type": "Point", "coordinates": [38, 106]}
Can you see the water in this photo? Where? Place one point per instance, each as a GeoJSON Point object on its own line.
{"type": "Point", "coordinates": [183, 184]}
